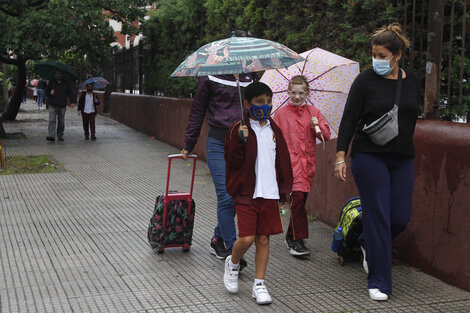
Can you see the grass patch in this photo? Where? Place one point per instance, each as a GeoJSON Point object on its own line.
{"type": "Point", "coordinates": [28, 164]}
{"type": "Point", "coordinates": [16, 136]}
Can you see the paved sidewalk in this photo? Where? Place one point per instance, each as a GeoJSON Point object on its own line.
{"type": "Point", "coordinates": [76, 241]}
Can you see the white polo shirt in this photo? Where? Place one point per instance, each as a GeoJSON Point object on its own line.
{"type": "Point", "coordinates": [265, 166]}
{"type": "Point", "coordinates": [89, 105]}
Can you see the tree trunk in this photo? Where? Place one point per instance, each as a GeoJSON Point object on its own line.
{"type": "Point", "coordinates": [449, 71]}
{"type": "Point", "coordinates": [13, 106]}
{"type": "Point", "coordinates": [5, 90]}
{"type": "Point", "coordinates": [462, 57]}
{"type": "Point", "coordinates": [433, 64]}
{"type": "Point", "coordinates": [3, 134]}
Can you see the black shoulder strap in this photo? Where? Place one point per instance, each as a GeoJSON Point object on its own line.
{"type": "Point", "coordinates": [398, 90]}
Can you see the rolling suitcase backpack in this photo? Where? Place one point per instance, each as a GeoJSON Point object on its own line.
{"type": "Point", "coordinates": [172, 221]}
{"type": "Point", "coordinates": [345, 238]}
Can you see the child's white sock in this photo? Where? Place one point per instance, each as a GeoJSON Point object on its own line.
{"type": "Point", "coordinates": [233, 266]}
{"type": "Point", "coordinates": [259, 281]}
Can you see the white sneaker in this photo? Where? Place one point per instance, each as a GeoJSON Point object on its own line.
{"type": "Point", "coordinates": [261, 294]}
{"type": "Point", "coordinates": [376, 294]}
{"type": "Point", "coordinates": [364, 261]}
{"type": "Point", "coordinates": [231, 276]}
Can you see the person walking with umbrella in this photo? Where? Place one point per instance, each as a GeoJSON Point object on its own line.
{"type": "Point", "coordinates": [383, 170]}
{"type": "Point", "coordinates": [217, 94]}
{"type": "Point", "coordinates": [259, 176]}
{"type": "Point", "coordinates": [301, 125]}
{"type": "Point", "coordinates": [87, 105]}
{"type": "Point", "coordinates": [57, 92]}
{"type": "Point", "coordinates": [229, 65]}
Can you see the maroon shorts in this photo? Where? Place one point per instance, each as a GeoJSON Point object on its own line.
{"type": "Point", "coordinates": [261, 217]}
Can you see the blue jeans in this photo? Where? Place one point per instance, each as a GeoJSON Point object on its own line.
{"type": "Point", "coordinates": [56, 117]}
{"type": "Point", "coordinates": [225, 207]}
{"type": "Point", "coordinates": [41, 96]}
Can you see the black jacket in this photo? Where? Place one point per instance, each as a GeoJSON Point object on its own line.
{"type": "Point", "coordinates": [62, 91]}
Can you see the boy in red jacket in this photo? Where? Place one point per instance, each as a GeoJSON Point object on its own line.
{"type": "Point", "coordinates": [258, 176]}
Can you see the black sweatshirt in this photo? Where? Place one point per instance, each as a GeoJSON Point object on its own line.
{"type": "Point", "coordinates": [62, 90]}
{"type": "Point", "coordinates": [370, 97]}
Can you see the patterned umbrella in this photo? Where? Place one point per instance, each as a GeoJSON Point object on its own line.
{"type": "Point", "coordinates": [34, 82]}
{"type": "Point", "coordinates": [330, 76]}
{"type": "Point", "coordinates": [237, 55]}
{"type": "Point", "coordinates": [98, 82]}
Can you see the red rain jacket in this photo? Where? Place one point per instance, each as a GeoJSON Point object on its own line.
{"type": "Point", "coordinates": [294, 122]}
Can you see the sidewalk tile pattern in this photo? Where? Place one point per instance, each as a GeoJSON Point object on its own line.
{"type": "Point", "coordinates": [76, 241]}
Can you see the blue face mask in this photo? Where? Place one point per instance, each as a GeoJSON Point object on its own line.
{"type": "Point", "coordinates": [59, 77]}
{"type": "Point", "coordinates": [261, 112]}
{"type": "Point", "coordinates": [382, 67]}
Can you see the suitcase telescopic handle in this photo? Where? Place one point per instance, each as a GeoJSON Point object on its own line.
{"type": "Point", "coordinates": [180, 156]}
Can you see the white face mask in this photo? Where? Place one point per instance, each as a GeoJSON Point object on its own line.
{"type": "Point", "coordinates": [382, 67]}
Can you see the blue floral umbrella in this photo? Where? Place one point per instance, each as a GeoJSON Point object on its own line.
{"type": "Point", "coordinates": [98, 82]}
{"type": "Point", "coordinates": [237, 55]}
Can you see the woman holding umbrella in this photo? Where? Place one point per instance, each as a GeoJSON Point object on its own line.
{"type": "Point", "coordinates": [225, 67]}
{"type": "Point", "coordinates": [384, 174]}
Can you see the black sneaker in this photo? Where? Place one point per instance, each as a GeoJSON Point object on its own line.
{"type": "Point", "coordinates": [243, 264]}
{"type": "Point", "coordinates": [61, 138]}
{"type": "Point", "coordinates": [299, 249]}
{"type": "Point", "coordinates": [87, 137]}
{"type": "Point", "coordinates": [50, 138]}
{"type": "Point", "coordinates": [289, 241]}
{"type": "Point", "coordinates": [93, 137]}
{"type": "Point", "coordinates": [218, 248]}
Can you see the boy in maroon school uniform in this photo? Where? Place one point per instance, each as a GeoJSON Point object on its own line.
{"type": "Point", "coordinates": [258, 176]}
{"type": "Point", "coordinates": [87, 105]}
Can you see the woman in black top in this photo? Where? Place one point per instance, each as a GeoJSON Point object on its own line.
{"type": "Point", "coordinates": [384, 175]}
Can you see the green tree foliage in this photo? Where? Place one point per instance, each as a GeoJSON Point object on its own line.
{"type": "Point", "coordinates": [174, 30]}
{"type": "Point", "coordinates": [451, 109]}
{"type": "Point", "coordinates": [342, 27]}
{"type": "Point", "coordinates": [60, 29]}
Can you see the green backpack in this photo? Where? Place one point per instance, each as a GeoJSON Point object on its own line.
{"type": "Point", "coordinates": [349, 228]}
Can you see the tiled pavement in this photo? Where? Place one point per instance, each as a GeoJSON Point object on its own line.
{"type": "Point", "coordinates": [76, 241]}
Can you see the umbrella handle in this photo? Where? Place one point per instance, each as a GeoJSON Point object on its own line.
{"type": "Point", "coordinates": [241, 107]}
{"type": "Point", "coordinates": [241, 131]}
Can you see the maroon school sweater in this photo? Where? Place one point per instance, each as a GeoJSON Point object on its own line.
{"type": "Point", "coordinates": [240, 160]}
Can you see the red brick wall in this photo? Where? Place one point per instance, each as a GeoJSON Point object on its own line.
{"type": "Point", "coordinates": [164, 118]}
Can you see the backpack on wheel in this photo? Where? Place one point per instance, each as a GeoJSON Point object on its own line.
{"type": "Point", "coordinates": [345, 238]}
{"type": "Point", "coordinates": [172, 220]}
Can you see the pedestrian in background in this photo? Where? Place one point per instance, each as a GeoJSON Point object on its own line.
{"type": "Point", "coordinates": [87, 105]}
{"type": "Point", "coordinates": [297, 121]}
{"type": "Point", "coordinates": [384, 175]}
{"type": "Point", "coordinates": [25, 91]}
{"type": "Point", "coordinates": [41, 89]}
{"type": "Point", "coordinates": [219, 96]}
{"type": "Point", "coordinates": [35, 94]}
{"type": "Point", "coordinates": [57, 93]}
{"type": "Point", "coordinates": [259, 175]}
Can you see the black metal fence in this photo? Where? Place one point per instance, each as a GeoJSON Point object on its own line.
{"type": "Point", "coordinates": [125, 71]}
